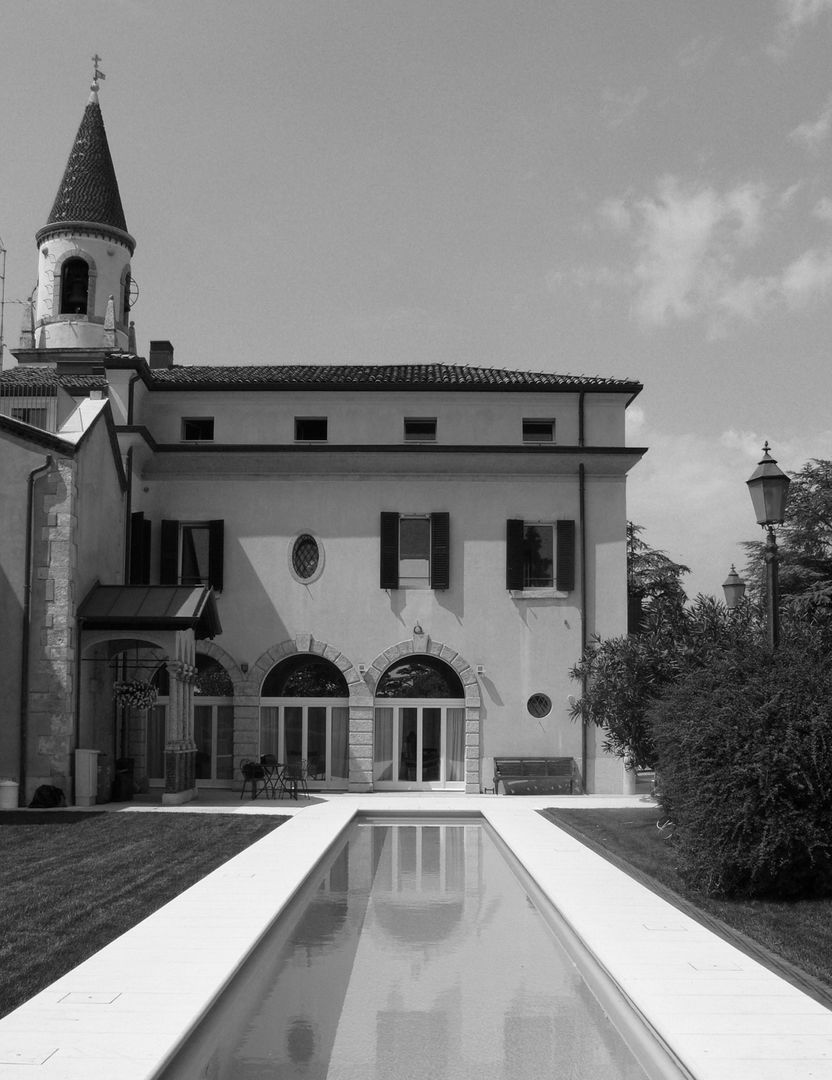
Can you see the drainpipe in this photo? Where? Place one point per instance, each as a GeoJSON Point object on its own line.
{"type": "Point", "coordinates": [34, 475]}
{"type": "Point", "coordinates": [582, 526]}
{"type": "Point", "coordinates": [582, 530]}
{"type": "Point", "coordinates": [127, 517]}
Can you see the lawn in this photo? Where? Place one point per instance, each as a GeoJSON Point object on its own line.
{"type": "Point", "coordinates": [72, 882]}
{"type": "Point", "coordinates": [795, 939]}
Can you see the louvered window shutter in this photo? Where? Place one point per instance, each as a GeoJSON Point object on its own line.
{"type": "Point", "coordinates": [565, 580]}
{"type": "Point", "coordinates": [169, 555]}
{"type": "Point", "coordinates": [440, 550]}
{"type": "Point", "coordinates": [514, 553]}
{"type": "Point", "coordinates": [139, 549]}
{"type": "Point", "coordinates": [216, 554]}
{"type": "Point", "coordinates": [389, 533]}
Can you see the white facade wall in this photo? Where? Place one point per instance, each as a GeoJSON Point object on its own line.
{"type": "Point", "coordinates": [372, 418]}
{"type": "Point", "coordinates": [525, 645]}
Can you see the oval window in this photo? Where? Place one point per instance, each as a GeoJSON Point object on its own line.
{"type": "Point", "coordinates": [539, 705]}
{"type": "Point", "coordinates": [306, 556]}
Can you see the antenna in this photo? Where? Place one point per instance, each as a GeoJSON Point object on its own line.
{"type": "Point", "coordinates": [2, 297]}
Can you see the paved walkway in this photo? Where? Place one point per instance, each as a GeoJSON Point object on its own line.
{"type": "Point", "coordinates": [123, 1012]}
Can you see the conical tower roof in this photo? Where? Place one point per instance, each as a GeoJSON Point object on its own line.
{"type": "Point", "coordinates": [89, 191]}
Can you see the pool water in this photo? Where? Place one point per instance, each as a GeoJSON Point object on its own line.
{"type": "Point", "coordinates": [419, 954]}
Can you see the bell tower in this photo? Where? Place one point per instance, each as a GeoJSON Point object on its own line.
{"type": "Point", "coordinates": [82, 303]}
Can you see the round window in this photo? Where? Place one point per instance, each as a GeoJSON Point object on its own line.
{"type": "Point", "coordinates": [539, 705]}
{"type": "Point", "coordinates": [306, 557]}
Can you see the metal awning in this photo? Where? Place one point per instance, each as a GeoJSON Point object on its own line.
{"type": "Point", "coordinates": [151, 607]}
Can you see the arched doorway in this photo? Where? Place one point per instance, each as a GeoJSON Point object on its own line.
{"type": "Point", "coordinates": [304, 717]}
{"type": "Point", "coordinates": [419, 727]}
{"type": "Point", "coordinates": [213, 724]}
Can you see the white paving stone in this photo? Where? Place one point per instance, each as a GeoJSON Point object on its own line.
{"type": "Point", "coordinates": [123, 1011]}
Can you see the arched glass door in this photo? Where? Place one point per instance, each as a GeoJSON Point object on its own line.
{"type": "Point", "coordinates": [304, 717]}
{"type": "Point", "coordinates": [213, 725]}
{"type": "Point", "coordinates": [419, 728]}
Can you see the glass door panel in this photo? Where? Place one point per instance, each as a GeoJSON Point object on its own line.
{"type": "Point", "coordinates": [224, 765]}
{"type": "Point", "coordinates": [269, 730]}
{"type": "Point", "coordinates": [419, 746]}
{"type": "Point", "coordinates": [316, 742]}
{"type": "Point", "coordinates": [408, 743]}
{"type": "Point", "coordinates": [203, 737]}
{"type": "Point", "coordinates": [455, 745]}
{"type": "Point", "coordinates": [156, 742]}
{"type": "Point", "coordinates": [317, 733]}
{"type": "Point", "coordinates": [431, 744]}
{"type": "Point", "coordinates": [340, 743]}
{"type": "Point", "coordinates": [293, 733]}
{"type": "Point", "coordinates": [383, 745]}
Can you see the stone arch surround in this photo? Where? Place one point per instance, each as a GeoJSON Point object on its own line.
{"type": "Point", "coordinates": [76, 252]}
{"type": "Point", "coordinates": [422, 645]}
{"type": "Point", "coordinates": [209, 648]}
{"type": "Point", "coordinates": [247, 703]}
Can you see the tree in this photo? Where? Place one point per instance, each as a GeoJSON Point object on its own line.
{"type": "Point", "coordinates": [624, 677]}
{"type": "Point", "coordinates": [653, 581]}
{"type": "Point", "coordinates": [804, 541]}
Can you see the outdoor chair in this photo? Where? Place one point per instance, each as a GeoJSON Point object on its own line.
{"type": "Point", "coordinates": [256, 775]}
{"type": "Point", "coordinates": [272, 775]}
{"type": "Point", "coordinates": [295, 773]}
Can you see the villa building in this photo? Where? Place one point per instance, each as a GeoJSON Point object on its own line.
{"type": "Point", "coordinates": [383, 571]}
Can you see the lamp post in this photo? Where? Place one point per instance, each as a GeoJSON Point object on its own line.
{"type": "Point", "coordinates": [734, 588]}
{"type": "Point", "coordinates": [769, 488]}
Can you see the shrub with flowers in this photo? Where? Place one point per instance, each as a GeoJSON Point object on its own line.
{"type": "Point", "coordinates": [134, 694]}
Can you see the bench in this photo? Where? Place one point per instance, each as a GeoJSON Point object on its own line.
{"type": "Point", "coordinates": [533, 776]}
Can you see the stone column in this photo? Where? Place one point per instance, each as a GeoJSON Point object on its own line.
{"type": "Point", "coordinates": [180, 748]}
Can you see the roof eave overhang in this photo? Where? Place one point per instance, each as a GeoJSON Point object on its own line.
{"type": "Point", "coordinates": [111, 232]}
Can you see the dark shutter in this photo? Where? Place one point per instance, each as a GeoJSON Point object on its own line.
{"type": "Point", "coordinates": [169, 554]}
{"type": "Point", "coordinates": [514, 553]}
{"type": "Point", "coordinates": [216, 554]}
{"type": "Point", "coordinates": [440, 550]}
{"type": "Point", "coordinates": [565, 555]}
{"type": "Point", "coordinates": [139, 549]}
{"type": "Point", "coordinates": [389, 535]}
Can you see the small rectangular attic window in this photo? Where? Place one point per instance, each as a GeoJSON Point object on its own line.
{"type": "Point", "coordinates": [420, 429]}
{"type": "Point", "coordinates": [197, 428]}
{"type": "Point", "coordinates": [310, 429]}
{"type": "Point", "coordinates": [538, 430]}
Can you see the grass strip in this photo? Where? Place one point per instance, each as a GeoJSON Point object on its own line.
{"type": "Point", "coordinates": [794, 939]}
{"type": "Point", "coordinates": [69, 887]}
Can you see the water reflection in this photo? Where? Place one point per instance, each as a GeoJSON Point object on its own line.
{"type": "Point", "coordinates": [419, 953]}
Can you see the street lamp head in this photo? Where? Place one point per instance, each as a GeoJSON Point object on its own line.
{"type": "Point", "coordinates": [734, 588]}
{"type": "Point", "coordinates": [769, 487]}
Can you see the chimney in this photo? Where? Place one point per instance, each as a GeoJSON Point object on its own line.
{"type": "Point", "coordinates": [161, 354]}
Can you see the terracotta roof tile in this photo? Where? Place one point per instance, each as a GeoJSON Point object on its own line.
{"type": "Point", "coordinates": [46, 380]}
{"type": "Point", "coordinates": [376, 377]}
{"type": "Point", "coordinates": [89, 190]}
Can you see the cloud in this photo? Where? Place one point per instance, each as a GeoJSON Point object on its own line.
{"type": "Point", "coordinates": [688, 244]}
{"type": "Point", "coordinates": [799, 13]}
{"type": "Point", "coordinates": [808, 278]}
{"type": "Point", "coordinates": [823, 209]}
{"type": "Point", "coordinates": [813, 134]}
{"type": "Point", "coordinates": [794, 16]}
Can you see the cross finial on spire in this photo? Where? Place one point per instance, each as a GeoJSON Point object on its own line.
{"type": "Point", "coordinates": [96, 75]}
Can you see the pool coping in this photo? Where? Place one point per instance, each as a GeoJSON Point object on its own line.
{"type": "Point", "coordinates": [125, 1010]}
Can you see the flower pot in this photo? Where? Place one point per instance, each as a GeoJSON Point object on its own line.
{"type": "Point", "coordinates": [8, 794]}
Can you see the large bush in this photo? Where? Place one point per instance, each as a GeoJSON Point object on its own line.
{"type": "Point", "coordinates": [745, 753]}
{"type": "Point", "coordinates": [623, 677]}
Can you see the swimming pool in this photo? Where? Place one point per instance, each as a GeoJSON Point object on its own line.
{"type": "Point", "coordinates": [415, 949]}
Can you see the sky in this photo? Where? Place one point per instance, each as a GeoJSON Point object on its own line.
{"type": "Point", "coordinates": [625, 188]}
